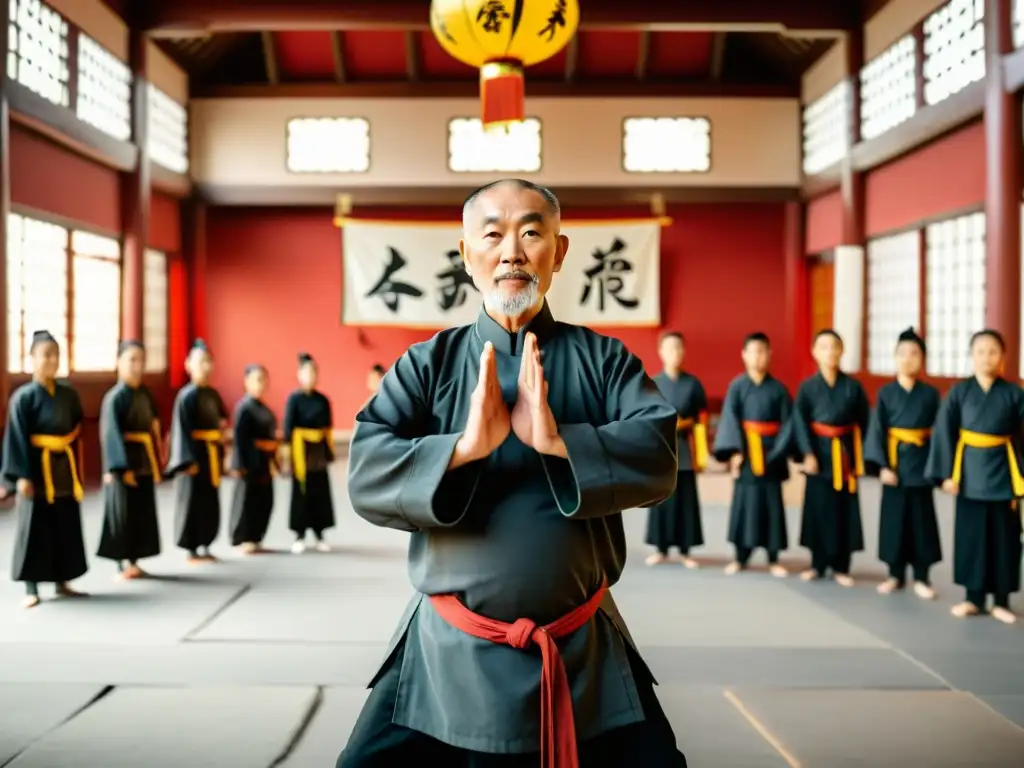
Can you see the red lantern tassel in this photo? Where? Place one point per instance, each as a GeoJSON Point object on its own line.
{"type": "Point", "coordinates": [502, 93]}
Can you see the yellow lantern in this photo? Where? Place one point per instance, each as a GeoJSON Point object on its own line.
{"type": "Point", "coordinates": [500, 38]}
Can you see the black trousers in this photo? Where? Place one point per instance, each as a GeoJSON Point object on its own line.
{"type": "Point", "coordinates": [376, 742]}
{"type": "Point", "coordinates": [839, 562]}
{"type": "Point", "coordinates": [743, 556]}
{"type": "Point", "coordinates": [978, 597]}
{"type": "Point", "coordinates": [898, 572]}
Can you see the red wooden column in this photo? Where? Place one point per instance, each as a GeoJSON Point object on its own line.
{"type": "Point", "coordinates": [798, 300]}
{"type": "Point", "coordinates": [1003, 158]}
{"type": "Point", "coordinates": [194, 221]}
{"type": "Point", "coordinates": [135, 198]}
{"type": "Point", "coordinates": [5, 207]}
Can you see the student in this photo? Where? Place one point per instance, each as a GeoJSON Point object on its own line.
{"type": "Point", "coordinates": [253, 462]}
{"type": "Point", "coordinates": [676, 522]}
{"type": "Point", "coordinates": [976, 455]}
{"type": "Point", "coordinates": [197, 457]}
{"type": "Point", "coordinates": [308, 430]}
{"type": "Point", "coordinates": [830, 416]}
{"type": "Point", "coordinates": [130, 439]}
{"type": "Point", "coordinates": [896, 449]}
{"type": "Point", "coordinates": [43, 460]}
{"type": "Point", "coordinates": [753, 439]}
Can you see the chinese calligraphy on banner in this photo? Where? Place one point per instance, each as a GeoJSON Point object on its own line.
{"type": "Point", "coordinates": [410, 274]}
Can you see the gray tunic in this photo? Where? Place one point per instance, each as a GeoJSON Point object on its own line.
{"type": "Point", "coordinates": [516, 535]}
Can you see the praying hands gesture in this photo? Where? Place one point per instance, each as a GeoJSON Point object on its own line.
{"type": "Point", "coordinates": [532, 420]}
{"type": "Point", "coordinates": [489, 421]}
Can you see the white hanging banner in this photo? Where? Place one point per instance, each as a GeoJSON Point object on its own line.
{"type": "Point", "coordinates": [409, 274]}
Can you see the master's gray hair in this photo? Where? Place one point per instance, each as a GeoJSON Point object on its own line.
{"type": "Point", "coordinates": [554, 208]}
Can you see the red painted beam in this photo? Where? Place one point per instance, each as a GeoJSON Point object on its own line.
{"type": "Point", "coordinates": [172, 18]}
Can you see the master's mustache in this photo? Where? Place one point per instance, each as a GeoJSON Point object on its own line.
{"type": "Point", "coordinates": [517, 274]}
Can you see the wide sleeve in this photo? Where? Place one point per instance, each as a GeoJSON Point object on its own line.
{"type": "Point", "coordinates": [945, 434]}
{"type": "Point", "coordinates": [628, 462]}
{"type": "Point", "coordinates": [876, 451]}
{"type": "Point", "coordinates": [183, 422]}
{"type": "Point", "coordinates": [329, 419]}
{"type": "Point", "coordinates": [115, 456]}
{"type": "Point", "coordinates": [17, 450]}
{"type": "Point", "coordinates": [398, 474]}
{"type": "Point", "coordinates": [244, 456]}
{"type": "Point", "coordinates": [729, 436]}
{"type": "Point", "coordinates": [800, 423]}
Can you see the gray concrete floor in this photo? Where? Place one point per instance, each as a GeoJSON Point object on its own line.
{"type": "Point", "coordinates": [261, 661]}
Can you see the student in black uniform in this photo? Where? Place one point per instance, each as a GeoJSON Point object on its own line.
{"type": "Point", "coordinates": [308, 430]}
{"type": "Point", "coordinates": [896, 449]}
{"type": "Point", "coordinates": [976, 455]}
{"type": "Point", "coordinates": [43, 461]}
{"type": "Point", "coordinates": [675, 522]}
{"type": "Point", "coordinates": [130, 439]}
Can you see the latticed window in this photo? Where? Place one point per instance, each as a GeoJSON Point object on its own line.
{"type": "Point", "coordinates": [956, 292]}
{"type": "Point", "coordinates": [666, 145]}
{"type": "Point", "coordinates": [37, 288]}
{"type": "Point", "coordinates": [96, 302]}
{"type": "Point", "coordinates": [888, 88]}
{"type": "Point", "coordinates": [894, 296]}
{"type": "Point", "coordinates": [826, 133]}
{"type": "Point", "coordinates": [37, 55]}
{"type": "Point", "coordinates": [155, 321]}
{"type": "Point", "coordinates": [104, 89]}
{"type": "Point", "coordinates": [509, 149]}
{"type": "Point", "coordinates": [167, 142]}
{"type": "Point", "coordinates": [954, 49]}
{"type": "Point", "coordinates": [328, 145]}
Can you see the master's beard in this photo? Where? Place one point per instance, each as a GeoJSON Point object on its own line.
{"type": "Point", "coordinates": [515, 304]}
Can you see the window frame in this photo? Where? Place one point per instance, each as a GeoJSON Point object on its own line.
{"type": "Point", "coordinates": [711, 144]}
{"type": "Point", "coordinates": [69, 296]}
{"type": "Point", "coordinates": [448, 146]}
{"type": "Point", "coordinates": [922, 311]}
{"type": "Point", "coordinates": [369, 150]}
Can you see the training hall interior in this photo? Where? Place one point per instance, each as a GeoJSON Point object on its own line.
{"type": "Point", "coordinates": [281, 177]}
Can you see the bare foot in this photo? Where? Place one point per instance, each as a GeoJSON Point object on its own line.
{"type": "Point", "coordinates": [732, 569]}
{"type": "Point", "coordinates": [64, 590]}
{"type": "Point", "coordinates": [1004, 615]}
{"type": "Point", "coordinates": [209, 558]}
{"type": "Point", "coordinates": [196, 560]}
{"type": "Point", "coordinates": [249, 548]}
{"type": "Point", "coordinates": [965, 609]}
{"type": "Point", "coordinates": [809, 575]}
{"type": "Point", "coordinates": [30, 601]}
{"type": "Point", "coordinates": [323, 546]}
{"type": "Point", "coordinates": [888, 586]}
{"type": "Point", "coordinates": [844, 580]}
{"type": "Point", "coordinates": [778, 571]}
{"type": "Point", "coordinates": [655, 559]}
{"type": "Point", "coordinates": [690, 563]}
{"type": "Point", "coordinates": [924, 591]}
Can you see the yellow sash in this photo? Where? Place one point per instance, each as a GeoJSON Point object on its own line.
{"type": "Point", "coordinates": [897, 435]}
{"type": "Point", "coordinates": [268, 446]}
{"type": "Point", "coordinates": [836, 434]}
{"type": "Point", "coordinates": [62, 443]}
{"type": "Point", "coordinates": [981, 440]}
{"type": "Point", "coordinates": [301, 436]}
{"type": "Point", "coordinates": [755, 432]}
{"type": "Point", "coordinates": [212, 437]}
{"type": "Point", "coordinates": [146, 440]}
{"type": "Point", "coordinates": [698, 438]}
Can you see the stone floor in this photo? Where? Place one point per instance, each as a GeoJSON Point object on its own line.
{"type": "Point", "coordinates": [261, 662]}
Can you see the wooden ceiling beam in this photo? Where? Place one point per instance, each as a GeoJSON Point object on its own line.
{"type": "Point", "coordinates": [270, 58]}
{"type": "Point", "coordinates": [338, 54]}
{"type": "Point", "coordinates": [181, 18]}
{"type": "Point", "coordinates": [412, 56]}
{"type": "Point", "coordinates": [470, 89]}
{"type": "Point", "coordinates": [717, 55]}
{"type": "Point", "coordinates": [643, 53]}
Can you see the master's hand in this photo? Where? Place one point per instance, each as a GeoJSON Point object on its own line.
{"type": "Point", "coordinates": [488, 423]}
{"type": "Point", "coordinates": [532, 420]}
